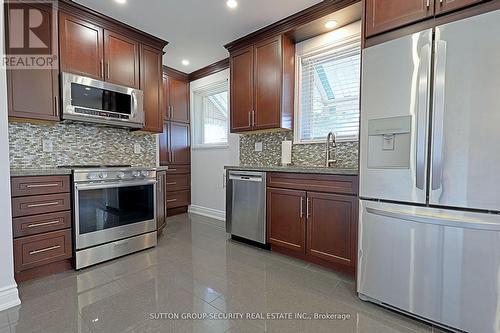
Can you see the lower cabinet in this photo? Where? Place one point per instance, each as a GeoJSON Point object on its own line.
{"type": "Point", "coordinates": [319, 227]}
{"type": "Point", "coordinates": [161, 207]}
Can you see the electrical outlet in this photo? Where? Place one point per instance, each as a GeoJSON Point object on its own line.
{"type": "Point", "coordinates": [137, 148]}
{"type": "Point", "coordinates": [258, 146]}
{"type": "Point", "coordinates": [47, 146]}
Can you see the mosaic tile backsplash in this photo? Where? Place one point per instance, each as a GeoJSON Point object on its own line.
{"type": "Point", "coordinates": [77, 143]}
{"type": "Point", "coordinates": [312, 155]}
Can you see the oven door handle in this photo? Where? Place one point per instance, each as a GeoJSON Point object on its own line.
{"type": "Point", "coordinates": [83, 187]}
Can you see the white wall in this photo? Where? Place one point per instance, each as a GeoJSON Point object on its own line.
{"type": "Point", "coordinates": [208, 195]}
{"type": "Point", "coordinates": [8, 289]}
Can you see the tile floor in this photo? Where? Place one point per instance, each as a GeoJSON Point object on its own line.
{"type": "Point", "coordinates": [197, 269]}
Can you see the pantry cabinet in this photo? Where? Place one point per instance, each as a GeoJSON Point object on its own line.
{"type": "Point", "coordinates": [152, 87]}
{"type": "Point", "coordinates": [314, 218]}
{"type": "Point", "coordinates": [262, 87]}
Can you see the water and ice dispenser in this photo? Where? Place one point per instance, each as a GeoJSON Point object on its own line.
{"type": "Point", "coordinates": [389, 143]}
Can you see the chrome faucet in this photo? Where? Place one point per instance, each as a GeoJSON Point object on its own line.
{"type": "Point", "coordinates": [333, 139]}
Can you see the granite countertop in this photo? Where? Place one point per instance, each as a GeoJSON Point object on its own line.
{"type": "Point", "coordinates": [53, 171]}
{"type": "Point", "coordinates": [295, 169]}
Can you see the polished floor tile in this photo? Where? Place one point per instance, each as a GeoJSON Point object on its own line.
{"type": "Point", "coordinates": [196, 270]}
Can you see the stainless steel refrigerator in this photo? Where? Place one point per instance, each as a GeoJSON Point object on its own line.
{"type": "Point", "coordinates": [429, 235]}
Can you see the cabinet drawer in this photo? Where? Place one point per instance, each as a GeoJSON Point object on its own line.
{"type": "Point", "coordinates": [37, 224]}
{"type": "Point", "coordinates": [41, 204]}
{"type": "Point", "coordinates": [178, 169]}
{"type": "Point", "coordinates": [178, 182]}
{"type": "Point", "coordinates": [314, 182]}
{"type": "Point", "coordinates": [178, 199]}
{"type": "Point", "coordinates": [24, 186]}
{"type": "Point", "coordinates": [39, 250]}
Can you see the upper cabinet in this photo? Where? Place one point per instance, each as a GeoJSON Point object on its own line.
{"type": "Point", "coordinates": [385, 15]}
{"type": "Point", "coordinates": [152, 86]}
{"type": "Point", "coordinates": [176, 90]}
{"type": "Point", "coordinates": [81, 47]}
{"type": "Point", "coordinates": [262, 88]}
{"type": "Point", "coordinates": [121, 60]}
{"type": "Point", "coordinates": [90, 50]}
{"type": "Point", "coordinates": [34, 93]}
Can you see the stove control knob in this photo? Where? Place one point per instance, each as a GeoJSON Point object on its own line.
{"type": "Point", "coordinates": [92, 176]}
{"type": "Point", "coordinates": [144, 173]}
{"type": "Point", "coordinates": [103, 175]}
{"type": "Point", "coordinates": [120, 175]}
{"type": "Point", "coordinates": [136, 174]}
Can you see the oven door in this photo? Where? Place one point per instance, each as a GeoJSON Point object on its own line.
{"type": "Point", "coordinates": [108, 212]}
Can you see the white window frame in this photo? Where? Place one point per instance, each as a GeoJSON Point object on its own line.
{"type": "Point", "coordinates": [321, 45]}
{"type": "Point", "coordinates": [203, 84]}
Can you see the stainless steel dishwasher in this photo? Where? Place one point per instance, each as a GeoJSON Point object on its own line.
{"type": "Point", "coordinates": [246, 205]}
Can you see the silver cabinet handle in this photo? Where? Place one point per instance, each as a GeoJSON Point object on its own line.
{"type": "Point", "coordinates": [172, 170]}
{"type": "Point", "coordinates": [102, 68]}
{"type": "Point", "coordinates": [173, 183]}
{"type": "Point", "coordinates": [42, 185]}
{"type": "Point", "coordinates": [438, 127]}
{"type": "Point", "coordinates": [308, 211]}
{"type": "Point", "coordinates": [249, 118]}
{"type": "Point", "coordinates": [107, 70]}
{"type": "Point", "coordinates": [56, 104]}
{"type": "Point", "coordinates": [423, 87]}
{"type": "Point", "coordinates": [172, 200]}
{"type": "Point", "coordinates": [43, 204]}
{"type": "Point", "coordinates": [36, 225]}
{"type": "Point", "coordinates": [428, 3]}
{"type": "Point", "coordinates": [45, 250]}
{"type": "Point", "coordinates": [301, 207]}
{"type": "Point", "coordinates": [253, 117]}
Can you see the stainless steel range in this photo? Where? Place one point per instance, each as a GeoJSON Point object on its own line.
{"type": "Point", "coordinates": [114, 210]}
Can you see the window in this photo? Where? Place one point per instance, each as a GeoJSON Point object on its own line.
{"type": "Point", "coordinates": [211, 115]}
{"type": "Point", "coordinates": [328, 91]}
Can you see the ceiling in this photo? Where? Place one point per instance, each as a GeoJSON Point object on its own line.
{"type": "Point", "coordinates": [197, 29]}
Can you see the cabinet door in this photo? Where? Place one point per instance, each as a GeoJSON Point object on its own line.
{"type": "Point", "coordinates": [152, 86]}
{"type": "Point", "coordinates": [121, 56]}
{"type": "Point", "coordinates": [165, 145]}
{"type": "Point", "coordinates": [331, 227]}
{"type": "Point", "coordinates": [242, 90]}
{"type": "Point", "coordinates": [268, 69]}
{"type": "Point", "coordinates": [34, 93]}
{"type": "Point", "coordinates": [166, 98]}
{"type": "Point", "coordinates": [81, 47]}
{"type": "Point", "coordinates": [179, 100]}
{"type": "Point", "coordinates": [180, 145]}
{"type": "Point", "coordinates": [443, 6]}
{"type": "Point", "coordinates": [286, 218]}
{"type": "Point", "coordinates": [384, 15]}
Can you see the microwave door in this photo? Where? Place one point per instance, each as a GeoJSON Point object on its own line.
{"type": "Point", "coordinates": [394, 119]}
{"type": "Point", "coordinates": [465, 159]}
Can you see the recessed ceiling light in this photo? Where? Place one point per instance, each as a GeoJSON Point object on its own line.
{"type": "Point", "coordinates": [330, 24]}
{"type": "Point", "coordinates": [232, 3]}
{"type": "Point", "coordinates": [121, 2]}
{"type": "Point", "coordinates": [185, 62]}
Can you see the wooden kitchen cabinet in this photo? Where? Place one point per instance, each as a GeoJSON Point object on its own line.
{"type": "Point", "coordinates": [121, 57]}
{"type": "Point", "coordinates": [180, 143]}
{"type": "Point", "coordinates": [33, 93]}
{"type": "Point", "coordinates": [81, 47]}
{"type": "Point", "coordinates": [286, 219]}
{"type": "Point", "coordinates": [330, 234]}
{"type": "Point", "coordinates": [443, 6]}
{"type": "Point", "coordinates": [152, 86]}
{"type": "Point", "coordinates": [262, 85]}
{"type": "Point", "coordinates": [242, 91]}
{"type": "Point", "coordinates": [385, 15]}
{"type": "Point", "coordinates": [178, 107]}
{"type": "Point", "coordinates": [314, 218]}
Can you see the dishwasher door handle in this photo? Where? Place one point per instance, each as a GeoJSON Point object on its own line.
{"type": "Point", "coordinates": [246, 178]}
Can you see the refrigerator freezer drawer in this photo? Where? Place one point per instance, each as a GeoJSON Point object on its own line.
{"type": "Point", "coordinates": [440, 265]}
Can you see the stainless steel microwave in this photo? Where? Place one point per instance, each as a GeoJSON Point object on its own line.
{"type": "Point", "coordinates": [89, 100]}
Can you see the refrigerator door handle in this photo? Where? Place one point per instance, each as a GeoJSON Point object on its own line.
{"type": "Point", "coordinates": [437, 219]}
{"type": "Point", "coordinates": [422, 114]}
{"type": "Point", "coordinates": [439, 98]}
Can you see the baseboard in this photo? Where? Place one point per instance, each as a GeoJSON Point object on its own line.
{"type": "Point", "coordinates": [9, 297]}
{"type": "Point", "coordinates": [218, 215]}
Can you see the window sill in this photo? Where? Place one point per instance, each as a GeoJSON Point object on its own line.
{"type": "Point", "coordinates": [210, 146]}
